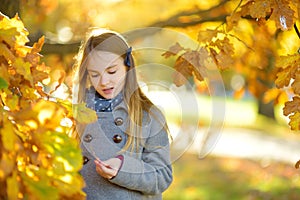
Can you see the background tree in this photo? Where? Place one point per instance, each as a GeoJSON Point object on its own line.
{"type": "Point", "coordinates": [258, 30]}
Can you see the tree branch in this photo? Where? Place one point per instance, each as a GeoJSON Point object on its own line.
{"type": "Point", "coordinates": [202, 16]}
{"type": "Point", "coordinates": [213, 14]}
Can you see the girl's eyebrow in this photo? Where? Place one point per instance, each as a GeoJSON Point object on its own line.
{"type": "Point", "coordinates": [90, 70]}
{"type": "Point", "coordinates": [108, 68]}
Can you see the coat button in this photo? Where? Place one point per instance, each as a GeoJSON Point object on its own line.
{"type": "Point", "coordinates": [85, 160]}
{"type": "Point", "coordinates": [118, 121]}
{"type": "Point", "coordinates": [117, 138]}
{"type": "Point", "coordinates": [88, 138]}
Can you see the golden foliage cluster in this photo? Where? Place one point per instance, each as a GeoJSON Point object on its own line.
{"type": "Point", "coordinates": [38, 158]}
{"type": "Point", "coordinates": [269, 75]}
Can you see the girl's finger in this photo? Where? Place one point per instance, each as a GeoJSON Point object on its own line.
{"type": "Point", "coordinates": [105, 170]}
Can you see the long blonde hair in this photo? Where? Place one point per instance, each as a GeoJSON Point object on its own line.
{"type": "Point", "coordinates": [136, 101]}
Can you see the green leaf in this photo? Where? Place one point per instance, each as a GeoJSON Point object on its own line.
{"type": "Point", "coordinates": [65, 151]}
{"type": "Point", "coordinates": [3, 83]}
{"type": "Point", "coordinates": [41, 189]}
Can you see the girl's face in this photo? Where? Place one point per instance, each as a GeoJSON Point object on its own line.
{"type": "Point", "coordinates": [107, 73]}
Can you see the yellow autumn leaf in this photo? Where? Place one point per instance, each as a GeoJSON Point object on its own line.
{"type": "Point", "coordinates": [8, 136]}
{"type": "Point", "coordinates": [207, 35]}
{"type": "Point", "coordinates": [12, 186]}
{"type": "Point", "coordinates": [38, 75]}
{"type": "Point", "coordinates": [28, 92]}
{"type": "Point", "coordinates": [67, 105]}
{"type": "Point", "coordinates": [282, 97]}
{"type": "Point", "coordinates": [84, 115]}
{"type": "Point", "coordinates": [288, 61]}
{"type": "Point", "coordinates": [33, 55]}
{"type": "Point", "coordinates": [4, 73]}
{"type": "Point", "coordinates": [7, 165]}
{"type": "Point", "coordinates": [225, 61]}
{"type": "Point", "coordinates": [49, 114]}
{"type": "Point", "coordinates": [295, 121]}
{"type": "Point", "coordinates": [8, 35]}
{"type": "Point", "coordinates": [9, 99]}
{"type": "Point", "coordinates": [283, 78]}
{"type": "Point", "coordinates": [23, 68]}
{"type": "Point", "coordinates": [6, 52]}
{"type": "Point", "coordinates": [232, 20]}
{"type": "Point", "coordinates": [270, 95]}
{"type": "Point", "coordinates": [14, 23]}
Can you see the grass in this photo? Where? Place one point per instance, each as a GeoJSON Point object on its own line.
{"type": "Point", "coordinates": [215, 178]}
{"type": "Point", "coordinates": [218, 178]}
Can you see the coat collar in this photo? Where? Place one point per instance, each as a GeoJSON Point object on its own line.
{"type": "Point", "coordinates": [90, 96]}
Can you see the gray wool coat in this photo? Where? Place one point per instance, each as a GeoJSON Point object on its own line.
{"type": "Point", "coordinates": [143, 175]}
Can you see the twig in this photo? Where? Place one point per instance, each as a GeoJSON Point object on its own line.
{"type": "Point", "coordinates": [297, 30]}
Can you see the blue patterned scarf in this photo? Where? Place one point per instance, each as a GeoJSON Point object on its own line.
{"type": "Point", "coordinates": [106, 105]}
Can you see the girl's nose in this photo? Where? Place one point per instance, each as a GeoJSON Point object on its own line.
{"type": "Point", "coordinates": [104, 79]}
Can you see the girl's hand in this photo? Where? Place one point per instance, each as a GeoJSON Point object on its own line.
{"type": "Point", "coordinates": [109, 168]}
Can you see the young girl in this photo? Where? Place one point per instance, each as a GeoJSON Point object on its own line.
{"type": "Point", "coordinates": [126, 152]}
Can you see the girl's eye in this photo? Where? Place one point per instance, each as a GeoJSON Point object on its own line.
{"type": "Point", "coordinates": [94, 75]}
{"type": "Point", "coordinates": [112, 71]}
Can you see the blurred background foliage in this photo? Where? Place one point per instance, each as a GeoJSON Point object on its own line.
{"type": "Point", "coordinates": [255, 39]}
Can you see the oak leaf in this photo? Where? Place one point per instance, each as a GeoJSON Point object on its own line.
{"type": "Point", "coordinates": [33, 55]}
{"type": "Point", "coordinates": [232, 20]}
{"type": "Point", "coordinates": [295, 121]}
{"type": "Point", "coordinates": [200, 70]}
{"type": "Point", "coordinates": [282, 14]}
{"type": "Point", "coordinates": [207, 35]}
{"type": "Point", "coordinates": [173, 50]}
{"type": "Point", "coordinates": [288, 61]}
{"type": "Point", "coordinates": [222, 52]}
{"type": "Point", "coordinates": [183, 69]}
{"type": "Point", "coordinates": [292, 106]}
{"type": "Point", "coordinates": [23, 68]}
{"type": "Point", "coordinates": [296, 84]}
{"type": "Point", "coordinates": [38, 75]}
{"type": "Point", "coordinates": [257, 8]}
{"type": "Point", "coordinates": [283, 78]}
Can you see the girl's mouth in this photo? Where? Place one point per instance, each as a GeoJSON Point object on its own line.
{"type": "Point", "coordinates": [108, 90]}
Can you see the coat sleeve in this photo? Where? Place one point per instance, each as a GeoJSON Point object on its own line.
{"type": "Point", "coordinates": [153, 173]}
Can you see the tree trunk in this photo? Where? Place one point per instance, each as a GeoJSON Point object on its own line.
{"type": "Point", "coordinates": [10, 7]}
{"type": "Point", "coordinates": [266, 109]}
